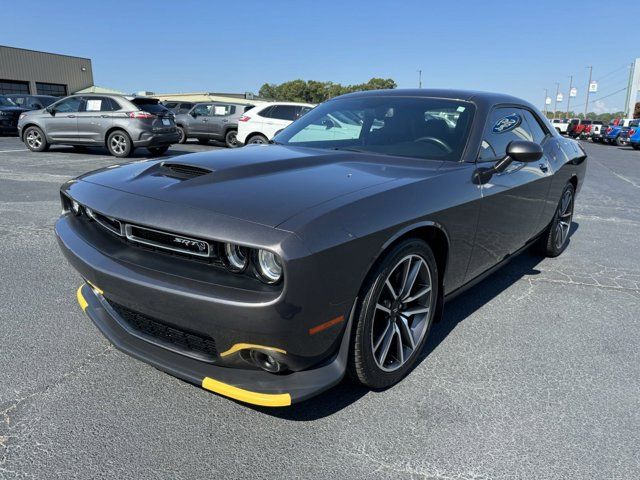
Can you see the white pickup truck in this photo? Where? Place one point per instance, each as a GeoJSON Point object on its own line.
{"type": "Point", "coordinates": [560, 124]}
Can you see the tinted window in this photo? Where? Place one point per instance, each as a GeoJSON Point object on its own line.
{"type": "Point", "coordinates": [71, 104]}
{"type": "Point", "coordinates": [537, 132]}
{"type": "Point", "coordinates": [284, 112]}
{"type": "Point", "coordinates": [505, 125]}
{"type": "Point", "coordinates": [44, 101]}
{"type": "Point", "coordinates": [185, 105]}
{"type": "Point", "coordinates": [17, 100]}
{"type": "Point", "coordinates": [402, 126]}
{"type": "Point", "coordinates": [171, 105]}
{"type": "Point", "coordinates": [266, 113]}
{"type": "Point", "coordinates": [150, 105]}
{"type": "Point", "coordinates": [6, 102]}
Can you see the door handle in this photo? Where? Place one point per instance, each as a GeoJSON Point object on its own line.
{"type": "Point", "coordinates": [205, 120]}
{"type": "Point", "coordinates": [71, 116]}
{"type": "Point", "coordinates": [225, 120]}
{"type": "Point", "coordinates": [104, 116]}
{"type": "Point", "coordinates": [544, 167]}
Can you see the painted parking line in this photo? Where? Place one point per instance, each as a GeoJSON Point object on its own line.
{"type": "Point", "coordinates": [21, 150]}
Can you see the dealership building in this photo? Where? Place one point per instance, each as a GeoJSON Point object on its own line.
{"type": "Point", "coordinates": [41, 73]}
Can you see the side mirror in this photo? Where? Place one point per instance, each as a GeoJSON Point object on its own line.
{"type": "Point", "coordinates": [328, 123]}
{"type": "Point", "coordinates": [51, 110]}
{"type": "Point", "coordinates": [194, 114]}
{"type": "Point", "coordinates": [519, 151]}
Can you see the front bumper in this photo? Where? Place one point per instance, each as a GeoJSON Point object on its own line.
{"type": "Point", "coordinates": [8, 125]}
{"type": "Point", "coordinates": [256, 387]}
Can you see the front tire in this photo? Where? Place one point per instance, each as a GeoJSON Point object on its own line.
{"type": "Point", "coordinates": [556, 238]}
{"type": "Point", "coordinates": [182, 133]}
{"type": "Point", "coordinates": [35, 140]}
{"type": "Point", "coordinates": [394, 316]}
{"type": "Point", "coordinates": [119, 144]}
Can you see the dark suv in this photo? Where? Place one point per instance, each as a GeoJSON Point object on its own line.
{"type": "Point", "coordinates": [9, 114]}
{"type": "Point", "coordinates": [119, 123]}
{"type": "Point", "coordinates": [212, 121]}
{"type": "Point", "coordinates": [32, 102]}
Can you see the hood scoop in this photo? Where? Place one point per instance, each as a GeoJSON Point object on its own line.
{"type": "Point", "coordinates": [182, 170]}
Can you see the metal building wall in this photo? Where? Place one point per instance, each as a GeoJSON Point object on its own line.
{"type": "Point", "coordinates": [34, 66]}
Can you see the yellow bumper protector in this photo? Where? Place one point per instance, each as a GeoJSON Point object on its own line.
{"type": "Point", "coordinates": [83, 303]}
{"type": "Point", "coordinates": [244, 346]}
{"type": "Point", "coordinates": [255, 398]}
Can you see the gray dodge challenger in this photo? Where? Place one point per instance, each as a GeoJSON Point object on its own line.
{"type": "Point", "coordinates": [267, 273]}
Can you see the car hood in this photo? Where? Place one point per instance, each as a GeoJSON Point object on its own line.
{"type": "Point", "coordinates": [265, 184]}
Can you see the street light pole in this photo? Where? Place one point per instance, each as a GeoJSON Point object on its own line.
{"type": "Point", "coordinates": [569, 97]}
{"type": "Point", "coordinates": [544, 105]}
{"type": "Point", "coordinates": [555, 105]}
{"type": "Point", "coordinates": [419, 78]}
{"type": "Point", "coordinates": [586, 107]}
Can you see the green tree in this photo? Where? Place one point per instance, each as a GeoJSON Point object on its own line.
{"type": "Point", "coordinates": [313, 91]}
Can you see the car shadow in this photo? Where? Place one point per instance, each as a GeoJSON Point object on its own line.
{"type": "Point", "coordinates": [455, 312]}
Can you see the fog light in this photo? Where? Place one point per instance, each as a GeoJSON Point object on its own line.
{"type": "Point", "coordinates": [75, 207]}
{"type": "Point", "coordinates": [267, 362]}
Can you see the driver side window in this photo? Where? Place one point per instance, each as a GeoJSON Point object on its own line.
{"type": "Point", "coordinates": [71, 104]}
{"type": "Point", "coordinates": [505, 125]}
{"type": "Point", "coordinates": [202, 110]}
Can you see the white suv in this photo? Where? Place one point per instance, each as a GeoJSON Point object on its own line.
{"type": "Point", "coordinates": [260, 124]}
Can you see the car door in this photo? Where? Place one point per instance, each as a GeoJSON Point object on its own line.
{"type": "Point", "coordinates": [220, 114]}
{"type": "Point", "coordinates": [61, 124]}
{"type": "Point", "coordinates": [280, 117]}
{"type": "Point", "coordinates": [199, 119]}
{"type": "Point", "coordinates": [94, 119]}
{"type": "Point", "coordinates": [512, 201]}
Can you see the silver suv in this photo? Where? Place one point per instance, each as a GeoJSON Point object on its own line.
{"type": "Point", "coordinates": [212, 121]}
{"type": "Point", "coordinates": [119, 123]}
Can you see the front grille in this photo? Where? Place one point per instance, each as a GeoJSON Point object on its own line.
{"type": "Point", "coordinates": [168, 241]}
{"type": "Point", "coordinates": [185, 342]}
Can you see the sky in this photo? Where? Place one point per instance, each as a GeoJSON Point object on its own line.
{"type": "Point", "coordinates": [518, 47]}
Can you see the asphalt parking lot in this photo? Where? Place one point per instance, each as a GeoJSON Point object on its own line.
{"type": "Point", "coordinates": [534, 373]}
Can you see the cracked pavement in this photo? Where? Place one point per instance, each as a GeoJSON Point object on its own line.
{"type": "Point", "coordinates": [533, 373]}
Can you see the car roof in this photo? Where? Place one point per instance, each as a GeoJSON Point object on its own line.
{"type": "Point", "coordinates": [474, 96]}
{"type": "Point", "coordinates": [288, 103]}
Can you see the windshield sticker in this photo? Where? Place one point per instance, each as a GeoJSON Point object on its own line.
{"type": "Point", "coordinates": [508, 123]}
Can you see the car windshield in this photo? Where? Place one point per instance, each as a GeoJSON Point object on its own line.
{"type": "Point", "coordinates": [5, 102]}
{"type": "Point", "coordinates": [404, 126]}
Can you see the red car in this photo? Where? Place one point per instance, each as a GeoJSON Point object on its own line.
{"type": "Point", "coordinates": [577, 127]}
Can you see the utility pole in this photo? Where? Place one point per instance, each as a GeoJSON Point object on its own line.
{"type": "Point", "coordinates": [586, 107]}
{"type": "Point", "coordinates": [544, 105]}
{"type": "Point", "coordinates": [419, 78]}
{"type": "Point", "coordinates": [569, 96]}
{"type": "Point", "coordinates": [555, 105]}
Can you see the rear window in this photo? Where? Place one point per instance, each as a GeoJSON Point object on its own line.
{"type": "Point", "coordinates": [150, 105]}
{"type": "Point", "coordinates": [635, 123]}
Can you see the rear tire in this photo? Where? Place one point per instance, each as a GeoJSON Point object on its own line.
{"type": "Point", "coordinates": [182, 133]}
{"type": "Point", "coordinates": [35, 140]}
{"type": "Point", "coordinates": [387, 339]}
{"type": "Point", "coordinates": [157, 151]}
{"type": "Point", "coordinates": [203, 141]}
{"type": "Point", "coordinates": [257, 139]}
{"type": "Point", "coordinates": [231, 138]}
{"type": "Point", "coordinates": [556, 238]}
{"type": "Point", "coordinates": [618, 141]}
{"type": "Point", "coordinates": [119, 144]}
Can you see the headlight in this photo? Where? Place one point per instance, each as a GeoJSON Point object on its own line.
{"type": "Point", "coordinates": [236, 258]}
{"type": "Point", "coordinates": [269, 266]}
{"type": "Point", "coordinates": [75, 207]}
